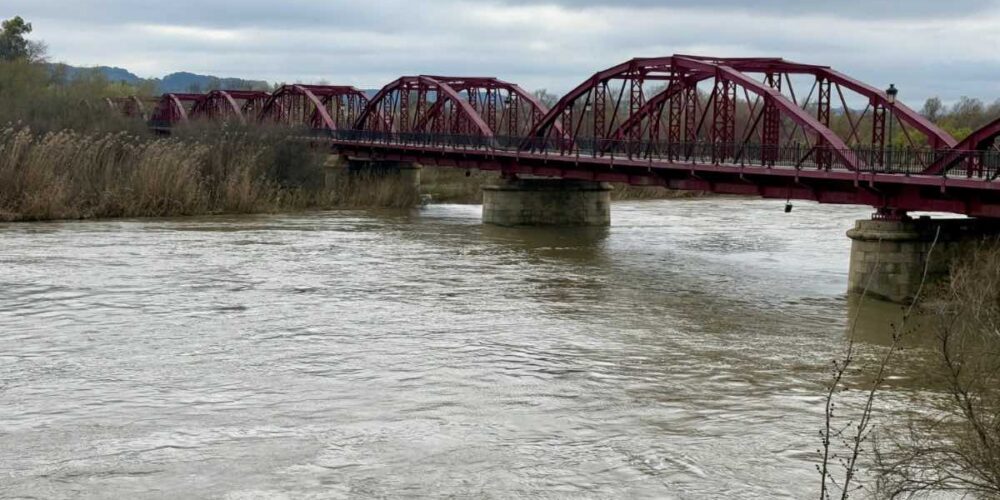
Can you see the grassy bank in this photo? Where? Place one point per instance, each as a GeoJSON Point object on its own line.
{"type": "Point", "coordinates": [73, 175]}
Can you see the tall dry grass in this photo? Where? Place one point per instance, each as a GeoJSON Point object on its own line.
{"type": "Point", "coordinates": [346, 189]}
{"type": "Point", "coordinates": [73, 175]}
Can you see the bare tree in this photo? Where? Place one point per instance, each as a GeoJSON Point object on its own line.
{"type": "Point", "coordinates": [544, 97]}
{"type": "Point", "coordinates": [933, 109]}
{"type": "Point", "coordinates": [854, 435]}
{"type": "Point", "coordinates": [956, 447]}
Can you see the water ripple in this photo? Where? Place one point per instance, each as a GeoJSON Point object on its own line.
{"type": "Point", "coordinates": [366, 354]}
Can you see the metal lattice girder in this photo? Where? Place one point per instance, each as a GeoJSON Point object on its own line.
{"type": "Point", "coordinates": [483, 106]}
{"type": "Point", "coordinates": [225, 105]}
{"type": "Point", "coordinates": [977, 142]}
{"type": "Point", "coordinates": [768, 107]}
{"type": "Point", "coordinates": [936, 137]}
{"type": "Point", "coordinates": [326, 107]}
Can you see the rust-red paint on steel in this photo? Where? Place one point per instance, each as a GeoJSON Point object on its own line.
{"type": "Point", "coordinates": [752, 125]}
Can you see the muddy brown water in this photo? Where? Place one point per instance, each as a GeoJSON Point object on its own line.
{"type": "Point", "coordinates": [679, 353]}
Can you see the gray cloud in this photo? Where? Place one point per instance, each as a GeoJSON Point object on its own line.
{"type": "Point", "coordinates": [224, 13]}
{"type": "Point", "coordinates": [855, 9]}
{"type": "Point", "coordinates": [927, 48]}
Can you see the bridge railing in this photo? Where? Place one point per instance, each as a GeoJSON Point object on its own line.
{"type": "Point", "coordinates": [979, 165]}
{"type": "Point", "coordinates": [867, 159]}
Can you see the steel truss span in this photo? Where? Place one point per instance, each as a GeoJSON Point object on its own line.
{"type": "Point", "coordinates": [478, 107]}
{"type": "Point", "coordinates": [240, 106]}
{"type": "Point", "coordinates": [763, 126]}
{"type": "Point", "coordinates": [314, 107]}
{"type": "Point", "coordinates": [319, 107]}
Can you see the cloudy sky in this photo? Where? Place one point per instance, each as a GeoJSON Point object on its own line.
{"type": "Point", "coordinates": [926, 47]}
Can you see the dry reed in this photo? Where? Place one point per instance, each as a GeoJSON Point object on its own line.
{"type": "Point", "coordinates": [71, 175]}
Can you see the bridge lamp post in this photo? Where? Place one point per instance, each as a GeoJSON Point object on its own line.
{"type": "Point", "coordinates": [891, 93]}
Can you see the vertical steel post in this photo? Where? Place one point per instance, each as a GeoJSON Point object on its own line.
{"type": "Point", "coordinates": [636, 100]}
{"type": "Point", "coordinates": [404, 107]}
{"type": "Point", "coordinates": [823, 153]}
{"type": "Point", "coordinates": [878, 135]}
{"type": "Point", "coordinates": [675, 122]}
{"type": "Point", "coordinates": [771, 131]}
{"type": "Point", "coordinates": [600, 98]}
{"type": "Point", "coordinates": [512, 115]}
{"type": "Point", "coordinates": [567, 125]}
{"type": "Point", "coordinates": [723, 119]}
{"type": "Point", "coordinates": [491, 109]}
{"type": "Point", "coordinates": [691, 111]}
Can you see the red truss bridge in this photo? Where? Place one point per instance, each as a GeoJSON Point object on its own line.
{"type": "Point", "coordinates": [752, 126]}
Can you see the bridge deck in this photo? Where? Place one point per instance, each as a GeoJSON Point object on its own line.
{"type": "Point", "coordinates": [971, 191]}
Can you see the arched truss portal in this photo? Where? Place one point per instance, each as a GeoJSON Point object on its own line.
{"type": "Point", "coordinates": [507, 109]}
{"type": "Point", "coordinates": [740, 113]}
{"type": "Point", "coordinates": [828, 80]}
{"type": "Point", "coordinates": [174, 109]}
{"type": "Point", "coordinates": [229, 105]}
{"type": "Point", "coordinates": [422, 104]}
{"type": "Point", "coordinates": [326, 107]}
{"type": "Point", "coordinates": [970, 149]}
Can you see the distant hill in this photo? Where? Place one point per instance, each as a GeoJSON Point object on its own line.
{"type": "Point", "coordinates": [174, 82]}
{"type": "Point", "coordinates": [181, 82]}
{"type": "Point", "coordinates": [190, 82]}
{"type": "Point", "coordinates": [112, 74]}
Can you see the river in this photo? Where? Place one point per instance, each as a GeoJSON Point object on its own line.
{"type": "Point", "coordinates": [680, 353]}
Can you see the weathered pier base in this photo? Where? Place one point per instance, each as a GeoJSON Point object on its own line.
{"type": "Point", "coordinates": [889, 257]}
{"type": "Point", "coordinates": [547, 202]}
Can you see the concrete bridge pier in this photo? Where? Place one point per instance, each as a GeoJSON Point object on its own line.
{"type": "Point", "coordinates": [547, 202]}
{"type": "Point", "coordinates": [889, 255]}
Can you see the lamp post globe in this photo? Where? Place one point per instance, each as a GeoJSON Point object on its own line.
{"type": "Point", "coordinates": [891, 93]}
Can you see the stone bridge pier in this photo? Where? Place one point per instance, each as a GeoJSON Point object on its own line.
{"type": "Point", "coordinates": [515, 201]}
{"type": "Point", "coordinates": [889, 256]}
